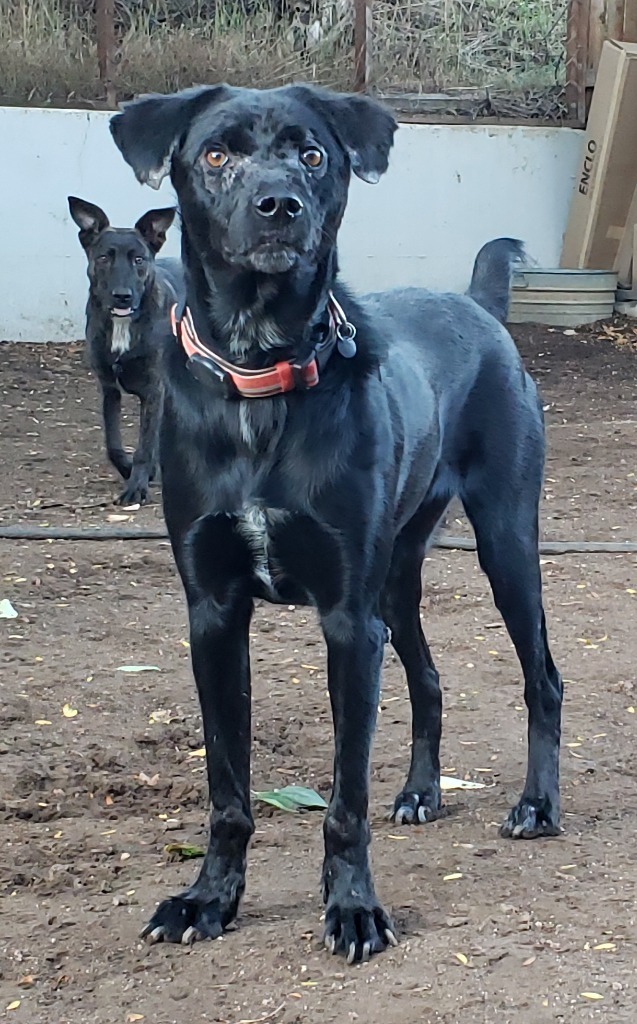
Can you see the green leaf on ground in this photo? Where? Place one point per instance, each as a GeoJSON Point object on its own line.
{"type": "Point", "coordinates": [292, 798]}
{"type": "Point", "coordinates": [183, 851]}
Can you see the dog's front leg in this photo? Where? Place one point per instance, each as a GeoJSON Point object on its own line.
{"type": "Point", "coordinates": [356, 925]}
{"type": "Point", "coordinates": [111, 412]}
{"type": "Point", "coordinates": [145, 457]}
{"type": "Point", "coordinates": [220, 657]}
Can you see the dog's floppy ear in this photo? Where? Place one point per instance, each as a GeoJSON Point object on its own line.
{"type": "Point", "coordinates": [149, 129]}
{"type": "Point", "coordinates": [89, 218]}
{"type": "Point", "coordinates": [154, 225]}
{"type": "Point", "coordinates": [364, 128]}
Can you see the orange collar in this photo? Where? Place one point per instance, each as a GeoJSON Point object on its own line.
{"type": "Point", "coordinates": [284, 376]}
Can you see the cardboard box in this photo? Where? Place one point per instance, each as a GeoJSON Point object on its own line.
{"type": "Point", "coordinates": [625, 262]}
{"type": "Point", "coordinates": [607, 174]}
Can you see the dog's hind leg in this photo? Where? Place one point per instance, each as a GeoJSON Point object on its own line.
{"type": "Point", "coordinates": [419, 800]}
{"type": "Point", "coordinates": [501, 501]}
{"type": "Point", "coordinates": [111, 411]}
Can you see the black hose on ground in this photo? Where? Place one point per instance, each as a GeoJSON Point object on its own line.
{"type": "Point", "coordinates": [547, 547]}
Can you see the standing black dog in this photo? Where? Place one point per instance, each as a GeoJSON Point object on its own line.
{"type": "Point", "coordinates": [310, 444]}
{"type": "Point", "coordinates": [130, 296]}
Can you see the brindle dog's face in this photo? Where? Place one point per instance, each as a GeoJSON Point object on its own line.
{"type": "Point", "coordinates": [262, 177]}
{"type": "Point", "coordinates": [121, 261]}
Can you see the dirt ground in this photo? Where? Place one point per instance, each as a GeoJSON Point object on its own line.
{"type": "Point", "coordinates": [95, 762]}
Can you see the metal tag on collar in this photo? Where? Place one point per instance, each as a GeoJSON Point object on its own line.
{"type": "Point", "coordinates": [345, 331]}
{"type": "Point", "coordinates": [345, 343]}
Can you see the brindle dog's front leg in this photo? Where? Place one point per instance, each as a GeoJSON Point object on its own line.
{"type": "Point", "coordinates": [355, 922]}
{"type": "Point", "coordinates": [145, 457]}
{"type": "Point", "coordinates": [111, 412]}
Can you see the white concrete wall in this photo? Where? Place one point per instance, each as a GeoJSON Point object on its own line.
{"type": "Point", "coordinates": [449, 189]}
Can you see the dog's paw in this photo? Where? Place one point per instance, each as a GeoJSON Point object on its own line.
{"type": "Point", "coordinates": [184, 920]}
{"type": "Point", "coordinates": [531, 819]}
{"type": "Point", "coordinates": [412, 808]}
{"type": "Point", "coordinates": [357, 932]}
{"type": "Point", "coordinates": [137, 493]}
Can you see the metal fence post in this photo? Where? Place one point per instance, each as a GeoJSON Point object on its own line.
{"type": "Point", "coordinates": [362, 44]}
{"type": "Point", "coordinates": [105, 33]}
{"type": "Point", "coordinates": [577, 22]}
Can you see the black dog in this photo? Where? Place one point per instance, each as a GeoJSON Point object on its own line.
{"type": "Point", "coordinates": [129, 300]}
{"type": "Point", "coordinates": [302, 464]}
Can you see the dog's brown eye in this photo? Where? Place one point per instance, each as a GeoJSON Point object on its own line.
{"type": "Point", "coordinates": [216, 158]}
{"type": "Point", "coordinates": [312, 157]}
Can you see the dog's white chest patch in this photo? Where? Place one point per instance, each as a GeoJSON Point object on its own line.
{"type": "Point", "coordinates": [120, 338]}
{"type": "Point", "coordinates": [254, 524]}
{"type": "Point", "coordinates": [245, 425]}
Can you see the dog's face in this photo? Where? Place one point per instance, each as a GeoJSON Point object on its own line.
{"type": "Point", "coordinates": [262, 176]}
{"type": "Point", "coordinates": [121, 261]}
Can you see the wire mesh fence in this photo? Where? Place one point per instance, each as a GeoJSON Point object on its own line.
{"type": "Point", "coordinates": [498, 57]}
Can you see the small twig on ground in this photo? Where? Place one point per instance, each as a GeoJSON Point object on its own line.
{"type": "Point", "coordinates": [259, 1020]}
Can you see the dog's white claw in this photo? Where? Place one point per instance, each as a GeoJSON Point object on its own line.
{"type": "Point", "coordinates": [391, 938]}
{"type": "Point", "coordinates": [330, 943]}
{"type": "Point", "coordinates": [400, 816]}
{"type": "Point", "coordinates": [189, 936]}
{"type": "Point", "coordinates": [352, 953]}
{"type": "Point", "coordinates": [155, 936]}
{"type": "Point", "coordinates": [366, 952]}
{"type": "Point", "coordinates": [422, 815]}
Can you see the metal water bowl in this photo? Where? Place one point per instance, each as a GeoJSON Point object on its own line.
{"type": "Point", "coordinates": [562, 298]}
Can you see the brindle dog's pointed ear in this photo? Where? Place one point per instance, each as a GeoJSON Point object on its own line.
{"type": "Point", "coordinates": [89, 218]}
{"type": "Point", "coordinates": [154, 225]}
{"type": "Point", "coordinates": [150, 128]}
{"type": "Point", "coordinates": [364, 128]}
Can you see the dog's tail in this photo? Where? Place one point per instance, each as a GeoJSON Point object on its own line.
{"type": "Point", "coordinates": [492, 272]}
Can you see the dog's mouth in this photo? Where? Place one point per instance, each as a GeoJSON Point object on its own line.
{"type": "Point", "coordinates": [269, 257]}
{"type": "Point", "coordinates": [122, 310]}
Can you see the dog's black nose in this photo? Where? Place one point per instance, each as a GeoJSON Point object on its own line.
{"type": "Point", "coordinates": [269, 206]}
{"type": "Point", "coordinates": [122, 299]}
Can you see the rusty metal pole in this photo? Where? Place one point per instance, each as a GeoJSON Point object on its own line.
{"type": "Point", "coordinates": [577, 23]}
{"type": "Point", "coordinates": [362, 44]}
{"type": "Point", "coordinates": [105, 32]}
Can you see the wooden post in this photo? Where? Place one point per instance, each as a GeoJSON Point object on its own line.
{"type": "Point", "coordinates": [576, 49]}
{"type": "Point", "coordinates": [105, 32]}
{"type": "Point", "coordinates": [630, 21]}
{"type": "Point", "coordinates": [607, 19]}
{"type": "Point", "coordinates": [614, 15]}
{"type": "Point", "coordinates": [597, 33]}
{"type": "Point", "coordinates": [362, 44]}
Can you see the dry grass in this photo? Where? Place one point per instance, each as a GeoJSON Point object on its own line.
{"type": "Point", "coordinates": [433, 45]}
{"type": "Point", "coordinates": [48, 53]}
